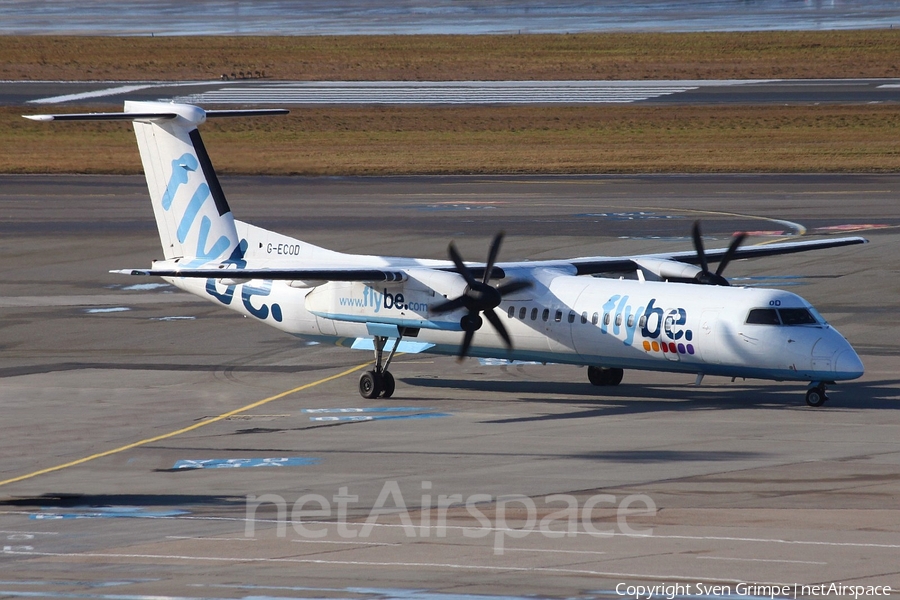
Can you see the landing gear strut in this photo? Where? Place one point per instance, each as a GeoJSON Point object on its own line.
{"type": "Point", "coordinates": [379, 381]}
{"type": "Point", "coordinates": [815, 396]}
{"type": "Point", "coordinates": [605, 376]}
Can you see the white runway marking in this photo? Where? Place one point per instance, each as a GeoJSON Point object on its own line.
{"type": "Point", "coordinates": [365, 563]}
{"type": "Point", "coordinates": [448, 92]}
{"type": "Point", "coordinates": [210, 539]}
{"type": "Point", "coordinates": [122, 89]}
{"type": "Point", "coordinates": [765, 560]}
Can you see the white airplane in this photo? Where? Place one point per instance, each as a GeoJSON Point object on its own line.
{"type": "Point", "coordinates": [553, 311]}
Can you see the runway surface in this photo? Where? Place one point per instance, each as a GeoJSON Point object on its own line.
{"type": "Point", "coordinates": [138, 421]}
{"type": "Point", "coordinates": [283, 93]}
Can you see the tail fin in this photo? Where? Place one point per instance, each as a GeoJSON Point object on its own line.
{"type": "Point", "coordinates": [193, 217]}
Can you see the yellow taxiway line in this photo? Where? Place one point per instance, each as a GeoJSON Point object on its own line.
{"type": "Point", "coordinates": [172, 434]}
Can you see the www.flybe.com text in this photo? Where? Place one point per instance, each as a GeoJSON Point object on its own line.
{"type": "Point", "coordinates": [383, 300]}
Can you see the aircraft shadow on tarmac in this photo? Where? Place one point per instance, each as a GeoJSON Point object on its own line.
{"type": "Point", "coordinates": [182, 367]}
{"type": "Point", "coordinates": [82, 501]}
{"type": "Point", "coordinates": [633, 399]}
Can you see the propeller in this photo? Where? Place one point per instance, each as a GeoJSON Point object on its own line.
{"type": "Point", "coordinates": [480, 298]}
{"type": "Point", "coordinates": [704, 276]}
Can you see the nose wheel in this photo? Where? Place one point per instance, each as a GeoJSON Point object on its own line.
{"type": "Point", "coordinates": [815, 396]}
{"type": "Point", "coordinates": [379, 381]}
{"type": "Point", "coordinates": [605, 376]}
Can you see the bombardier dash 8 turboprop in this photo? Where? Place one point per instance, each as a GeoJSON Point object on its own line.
{"type": "Point", "coordinates": [557, 311]}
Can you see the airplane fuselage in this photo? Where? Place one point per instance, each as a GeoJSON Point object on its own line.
{"type": "Point", "coordinates": [617, 323]}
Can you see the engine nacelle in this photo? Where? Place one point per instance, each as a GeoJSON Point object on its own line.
{"type": "Point", "coordinates": [405, 303]}
{"type": "Point", "coordinates": [656, 269]}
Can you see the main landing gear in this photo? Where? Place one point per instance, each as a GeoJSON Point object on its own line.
{"type": "Point", "coordinates": [605, 376]}
{"type": "Point", "coordinates": [815, 396]}
{"type": "Point", "coordinates": [379, 381]}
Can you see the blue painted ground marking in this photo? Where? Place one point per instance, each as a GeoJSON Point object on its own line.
{"type": "Point", "coordinates": [502, 362]}
{"type": "Point", "coordinates": [630, 216]}
{"type": "Point", "coordinates": [236, 463]}
{"type": "Point", "coordinates": [374, 409]}
{"type": "Point", "coordinates": [106, 512]}
{"type": "Point", "coordinates": [351, 418]}
{"type": "Point", "coordinates": [92, 311]}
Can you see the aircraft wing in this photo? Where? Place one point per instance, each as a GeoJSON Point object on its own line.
{"type": "Point", "coordinates": [582, 266]}
{"type": "Point", "coordinates": [603, 264]}
{"type": "Point", "coordinates": [334, 274]}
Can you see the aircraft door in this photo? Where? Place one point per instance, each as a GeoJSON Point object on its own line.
{"type": "Point", "coordinates": [708, 336]}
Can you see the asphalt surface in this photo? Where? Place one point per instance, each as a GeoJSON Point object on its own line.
{"type": "Point", "coordinates": [110, 391]}
{"type": "Point", "coordinates": [261, 91]}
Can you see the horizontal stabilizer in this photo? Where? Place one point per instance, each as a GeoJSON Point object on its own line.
{"type": "Point", "coordinates": [117, 116]}
{"type": "Point", "coordinates": [155, 116]}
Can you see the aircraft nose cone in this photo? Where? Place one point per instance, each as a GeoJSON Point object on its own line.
{"type": "Point", "coordinates": [848, 365]}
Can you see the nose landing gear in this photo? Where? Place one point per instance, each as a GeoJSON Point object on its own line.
{"type": "Point", "coordinates": [815, 395]}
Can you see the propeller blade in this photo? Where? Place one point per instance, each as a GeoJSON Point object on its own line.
{"type": "Point", "coordinates": [698, 247]}
{"type": "Point", "coordinates": [729, 254]}
{"type": "Point", "coordinates": [467, 341]}
{"type": "Point", "coordinates": [449, 305]}
{"type": "Point", "coordinates": [514, 286]}
{"type": "Point", "coordinates": [461, 268]}
{"type": "Point", "coordinates": [492, 256]}
{"type": "Point", "coordinates": [491, 316]}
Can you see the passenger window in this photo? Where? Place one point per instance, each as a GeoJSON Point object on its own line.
{"type": "Point", "coordinates": [595, 319]}
{"type": "Point", "coordinates": [642, 322]}
{"type": "Point", "coordinates": [522, 312]}
{"type": "Point", "coordinates": [606, 318]}
{"type": "Point", "coordinates": [796, 316]}
{"type": "Point", "coordinates": [631, 320]}
{"type": "Point", "coordinates": [511, 312]}
{"type": "Point", "coordinates": [763, 316]}
{"type": "Point", "coordinates": [571, 317]}
{"type": "Point", "coordinates": [534, 314]}
{"type": "Point", "coordinates": [546, 314]}
{"type": "Point", "coordinates": [558, 316]}
{"type": "Point", "coordinates": [618, 319]}
{"type": "Point", "coordinates": [583, 318]}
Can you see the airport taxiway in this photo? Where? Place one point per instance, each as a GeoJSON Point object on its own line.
{"type": "Point", "coordinates": [137, 420]}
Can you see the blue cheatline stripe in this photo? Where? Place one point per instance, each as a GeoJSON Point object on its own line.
{"type": "Point", "coordinates": [236, 463]}
{"type": "Point", "coordinates": [347, 418]}
{"type": "Point", "coordinates": [107, 512]}
{"type": "Point", "coordinates": [374, 409]}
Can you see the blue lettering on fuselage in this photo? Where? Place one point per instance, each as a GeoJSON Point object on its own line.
{"type": "Point", "coordinates": [376, 300]}
{"type": "Point", "coordinates": [652, 321]}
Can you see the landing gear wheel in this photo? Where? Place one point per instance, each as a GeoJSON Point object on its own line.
{"type": "Point", "coordinates": [614, 376]}
{"type": "Point", "coordinates": [370, 385]}
{"type": "Point", "coordinates": [604, 376]}
{"type": "Point", "coordinates": [816, 396]}
{"type": "Point", "coordinates": [387, 384]}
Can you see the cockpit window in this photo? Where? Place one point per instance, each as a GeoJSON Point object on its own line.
{"type": "Point", "coordinates": [782, 316]}
{"type": "Point", "coordinates": [763, 316]}
{"type": "Point", "coordinates": [796, 316]}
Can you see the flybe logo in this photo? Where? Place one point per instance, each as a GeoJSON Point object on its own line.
{"type": "Point", "coordinates": [248, 292]}
{"type": "Point", "coordinates": [201, 217]}
{"type": "Point", "coordinates": [663, 330]}
{"type": "Point", "coordinates": [204, 251]}
{"type": "Point", "coordinates": [382, 300]}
